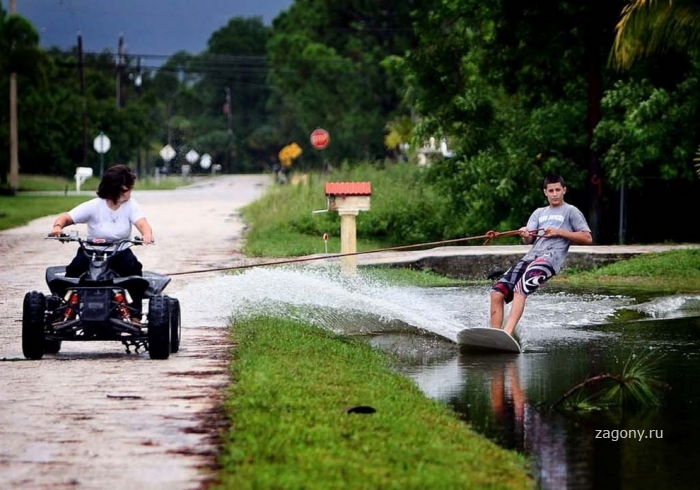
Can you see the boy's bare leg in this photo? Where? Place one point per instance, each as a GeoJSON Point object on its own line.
{"type": "Point", "coordinates": [516, 312]}
{"type": "Point", "coordinates": [497, 306]}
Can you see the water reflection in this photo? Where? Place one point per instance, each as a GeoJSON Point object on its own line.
{"type": "Point", "coordinates": [507, 398]}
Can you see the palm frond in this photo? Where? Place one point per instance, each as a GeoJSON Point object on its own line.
{"type": "Point", "coordinates": [649, 27]}
{"type": "Point", "coordinates": [637, 386]}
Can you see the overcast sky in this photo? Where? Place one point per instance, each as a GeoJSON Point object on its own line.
{"type": "Point", "coordinates": [153, 27]}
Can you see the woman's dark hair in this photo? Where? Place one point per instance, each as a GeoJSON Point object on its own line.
{"type": "Point", "coordinates": [553, 179]}
{"type": "Point", "coordinates": [115, 180]}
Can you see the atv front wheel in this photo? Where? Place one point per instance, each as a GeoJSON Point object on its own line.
{"type": "Point", "coordinates": [33, 311]}
{"type": "Point", "coordinates": [158, 328]}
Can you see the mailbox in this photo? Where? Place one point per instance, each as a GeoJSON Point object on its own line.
{"type": "Point", "coordinates": [348, 199]}
{"type": "Point", "coordinates": [81, 175]}
{"type": "Point", "coordinates": [348, 196]}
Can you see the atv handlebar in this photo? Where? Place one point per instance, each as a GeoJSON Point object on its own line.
{"type": "Point", "coordinates": [97, 242]}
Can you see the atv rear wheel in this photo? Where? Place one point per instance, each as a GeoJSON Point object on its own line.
{"type": "Point", "coordinates": [158, 328]}
{"type": "Point", "coordinates": [33, 310]}
{"type": "Point", "coordinates": [175, 325]}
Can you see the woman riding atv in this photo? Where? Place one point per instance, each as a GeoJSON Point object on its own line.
{"type": "Point", "coordinates": [110, 217]}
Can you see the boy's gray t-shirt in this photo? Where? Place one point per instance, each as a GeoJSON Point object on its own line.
{"type": "Point", "coordinates": [555, 249]}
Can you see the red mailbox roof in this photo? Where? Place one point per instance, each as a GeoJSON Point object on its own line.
{"type": "Point", "coordinates": [348, 188]}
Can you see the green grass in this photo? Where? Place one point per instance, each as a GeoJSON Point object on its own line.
{"type": "Point", "coordinates": [282, 222]}
{"type": "Point", "coordinates": [20, 210]}
{"type": "Point", "coordinates": [289, 429]}
{"type": "Point", "coordinates": [403, 276]}
{"type": "Point", "coordinates": [44, 183]}
{"type": "Point", "coordinates": [676, 271]}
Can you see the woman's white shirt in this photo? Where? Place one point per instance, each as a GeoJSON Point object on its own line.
{"type": "Point", "coordinates": [105, 222]}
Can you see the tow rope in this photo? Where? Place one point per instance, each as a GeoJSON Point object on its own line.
{"type": "Point", "coordinates": [489, 236]}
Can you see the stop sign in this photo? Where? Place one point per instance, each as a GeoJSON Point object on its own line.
{"type": "Point", "coordinates": [320, 138]}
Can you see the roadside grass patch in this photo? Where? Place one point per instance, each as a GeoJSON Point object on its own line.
{"type": "Point", "coordinates": [292, 384]}
{"type": "Point", "coordinates": [20, 210]}
{"type": "Point", "coordinates": [404, 276]}
{"type": "Point", "coordinates": [668, 272]}
{"type": "Point", "coordinates": [30, 182]}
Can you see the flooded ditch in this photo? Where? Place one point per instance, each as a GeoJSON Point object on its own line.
{"type": "Point", "coordinates": [566, 336]}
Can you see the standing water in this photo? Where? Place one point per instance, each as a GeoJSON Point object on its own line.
{"type": "Point", "coordinates": [566, 337]}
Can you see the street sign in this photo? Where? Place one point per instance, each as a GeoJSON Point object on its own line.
{"type": "Point", "coordinates": [167, 153]}
{"type": "Point", "coordinates": [101, 144]}
{"type": "Point", "coordinates": [192, 156]}
{"type": "Point", "coordinates": [320, 138]}
{"type": "Point", "coordinates": [205, 161]}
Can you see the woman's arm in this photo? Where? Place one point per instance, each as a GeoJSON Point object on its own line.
{"type": "Point", "coordinates": [145, 229]}
{"type": "Point", "coordinates": [61, 222]}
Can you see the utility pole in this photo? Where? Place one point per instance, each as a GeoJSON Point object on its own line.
{"type": "Point", "coordinates": [137, 82]}
{"type": "Point", "coordinates": [81, 70]}
{"type": "Point", "coordinates": [120, 69]}
{"type": "Point", "coordinates": [14, 158]}
{"type": "Point", "coordinates": [232, 134]}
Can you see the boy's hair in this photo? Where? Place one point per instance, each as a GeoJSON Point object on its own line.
{"type": "Point", "coordinates": [553, 179]}
{"type": "Point", "coordinates": [116, 180]}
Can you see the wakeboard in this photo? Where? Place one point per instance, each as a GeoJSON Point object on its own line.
{"type": "Point", "coordinates": [487, 338]}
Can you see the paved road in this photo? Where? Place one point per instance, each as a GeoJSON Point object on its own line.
{"type": "Point", "coordinates": [93, 416]}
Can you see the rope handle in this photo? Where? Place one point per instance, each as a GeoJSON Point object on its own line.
{"type": "Point", "coordinates": [491, 234]}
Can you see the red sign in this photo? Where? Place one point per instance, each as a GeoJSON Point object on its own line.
{"type": "Point", "coordinates": [320, 138]}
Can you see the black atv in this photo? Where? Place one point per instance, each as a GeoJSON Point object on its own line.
{"type": "Point", "coordinates": [95, 307]}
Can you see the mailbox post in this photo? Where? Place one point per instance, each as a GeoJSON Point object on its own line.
{"type": "Point", "coordinates": [81, 175]}
{"type": "Point", "coordinates": [348, 198]}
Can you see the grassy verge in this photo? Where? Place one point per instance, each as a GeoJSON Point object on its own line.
{"type": "Point", "coordinates": [29, 183]}
{"type": "Point", "coordinates": [671, 272]}
{"type": "Point", "coordinates": [21, 209]}
{"type": "Point", "coordinates": [282, 222]}
{"type": "Point", "coordinates": [292, 385]}
{"type": "Point", "coordinates": [401, 276]}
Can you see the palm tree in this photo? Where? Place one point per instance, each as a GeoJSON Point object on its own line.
{"type": "Point", "coordinates": [649, 27]}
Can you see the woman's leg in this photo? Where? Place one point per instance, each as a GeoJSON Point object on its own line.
{"type": "Point", "coordinates": [125, 264]}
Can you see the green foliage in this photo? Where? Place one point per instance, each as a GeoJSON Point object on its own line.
{"type": "Point", "coordinates": [648, 28]}
{"type": "Point", "coordinates": [637, 387]}
{"type": "Point", "coordinates": [405, 210]}
{"type": "Point", "coordinates": [328, 68]}
{"type": "Point", "coordinates": [648, 131]}
{"type": "Point", "coordinates": [641, 388]}
{"type": "Point", "coordinates": [291, 386]}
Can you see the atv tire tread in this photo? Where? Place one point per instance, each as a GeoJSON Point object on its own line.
{"type": "Point", "coordinates": [33, 310]}
{"type": "Point", "coordinates": [159, 327]}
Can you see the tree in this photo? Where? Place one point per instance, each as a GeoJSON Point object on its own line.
{"type": "Point", "coordinates": [235, 91]}
{"type": "Point", "coordinates": [649, 27]}
{"type": "Point", "coordinates": [327, 68]}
